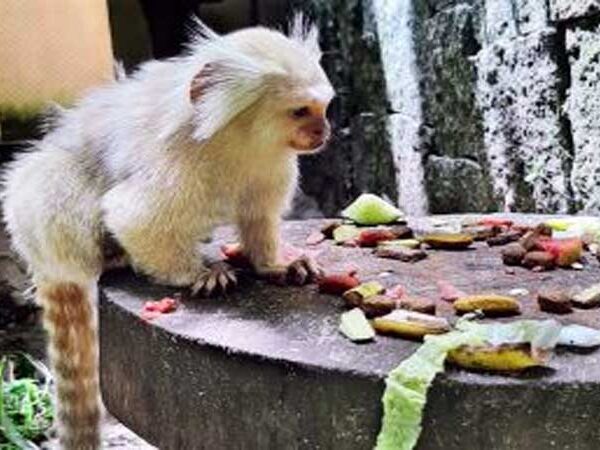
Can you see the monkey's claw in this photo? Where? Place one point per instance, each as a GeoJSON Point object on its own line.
{"type": "Point", "coordinates": [302, 271]}
{"type": "Point", "coordinates": [218, 278]}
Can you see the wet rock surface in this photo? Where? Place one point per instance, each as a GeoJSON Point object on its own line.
{"type": "Point", "coordinates": [267, 368]}
{"type": "Point", "coordinates": [573, 9]}
{"type": "Point", "coordinates": [583, 109]}
{"type": "Point", "coordinates": [438, 94]}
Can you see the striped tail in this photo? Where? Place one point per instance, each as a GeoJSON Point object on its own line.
{"type": "Point", "coordinates": [69, 318]}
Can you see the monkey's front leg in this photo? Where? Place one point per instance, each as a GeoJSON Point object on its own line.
{"type": "Point", "coordinates": [260, 243]}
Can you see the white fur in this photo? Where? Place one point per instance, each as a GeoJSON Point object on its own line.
{"type": "Point", "coordinates": [137, 159]}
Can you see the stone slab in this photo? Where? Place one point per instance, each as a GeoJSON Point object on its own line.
{"type": "Point", "coordinates": [265, 367]}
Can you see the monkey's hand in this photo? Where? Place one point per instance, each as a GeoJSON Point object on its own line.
{"type": "Point", "coordinates": [219, 277]}
{"type": "Point", "coordinates": [303, 270]}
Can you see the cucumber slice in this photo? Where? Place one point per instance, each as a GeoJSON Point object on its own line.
{"type": "Point", "coordinates": [355, 326]}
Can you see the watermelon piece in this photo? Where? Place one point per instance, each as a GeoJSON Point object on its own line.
{"type": "Point", "coordinates": [495, 222]}
{"type": "Point", "coordinates": [369, 209]}
{"type": "Point", "coordinates": [565, 251]}
{"type": "Point", "coordinates": [373, 236]}
{"type": "Point", "coordinates": [337, 284]}
{"type": "Point", "coordinates": [233, 255]}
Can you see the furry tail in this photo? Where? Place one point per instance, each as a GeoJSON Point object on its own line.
{"type": "Point", "coordinates": [69, 318]}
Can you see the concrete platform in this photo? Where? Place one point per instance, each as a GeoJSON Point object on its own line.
{"type": "Point", "coordinates": [265, 368]}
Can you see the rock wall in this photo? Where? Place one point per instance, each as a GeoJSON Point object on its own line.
{"type": "Point", "coordinates": [462, 105]}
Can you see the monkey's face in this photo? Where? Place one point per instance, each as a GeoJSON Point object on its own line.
{"type": "Point", "coordinates": [306, 122]}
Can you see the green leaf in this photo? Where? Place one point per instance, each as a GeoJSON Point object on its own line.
{"type": "Point", "coordinates": [407, 385]}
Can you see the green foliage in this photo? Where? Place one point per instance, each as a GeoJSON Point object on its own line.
{"type": "Point", "coordinates": [26, 411]}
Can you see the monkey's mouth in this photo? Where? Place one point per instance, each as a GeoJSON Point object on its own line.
{"type": "Point", "coordinates": [309, 147]}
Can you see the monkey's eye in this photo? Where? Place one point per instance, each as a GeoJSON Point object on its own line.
{"type": "Point", "coordinates": [299, 113]}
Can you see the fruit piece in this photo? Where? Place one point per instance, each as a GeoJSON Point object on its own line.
{"type": "Point", "coordinates": [448, 292]}
{"type": "Point", "coordinates": [373, 236]}
{"type": "Point", "coordinates": [495, 222]}
{"type": "Point", "coordinates": [401, 253]}
{"type": "Point", "coordinates": [369, 209]}
{"type": "Point", "coordinates": [355, 326]}
{"type": "Point", "coordinates": [558, 224]}
{"type": "Point", "coordinates": [501, 358]}
{"type": "Point", "coordinates": [337, 284]}
{"type": "Point", "coordinates": [535, 259]}
{"type": "Point", "coordinates": [345, 233]}
{"type": "Point", "coordinates": [417, 304]}
{"type": "Point", "coordinates": [579, 336]}
{"type": "Point", "coordinates": [329, 228]}
{"type": "Point", "coordinates": [315, 238]}
{"type": "Point", "coordinates": [163, 306]}
{"type": "Point", "coordinates": [355, 296]}
{"type": "Point", "coordinates": [234, 256]}
{"type": "Point", "coordinates": [448, 241]}
{"type": "Point", "coordinates": [513, 254]}
{"type": "Point", "coordinates": [150, 315]}
{"type": "Point", "coordinates": [564, 251]}
{"type": "Point", "coordinates": [408, 243]}
{"type": "Point", "coordinates": [587, 298]}
{"type": "Point", "coordinates": [504, 238]}
{"type": "Point", "coordinates": [482, 232]}
{"type": "Point", "coordinates": [402, 232]}
{"type": "Point", "coordinates": [490, 304]}
{"type": "Point", "coordinates": [396, 292]}
{"type": "Point", "coordinates": [378, 305]}
{"type": "Point", "coordinates": [410, 324]}
{"type": "Point", "coordinates": [554, 301]}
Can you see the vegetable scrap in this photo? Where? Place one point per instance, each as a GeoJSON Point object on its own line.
{"type": "Point", "coordinates": [448, 241]}
{"type": "Point", "coordinates": [378, 305]}
{"type": "Point", "coordinates": [579, 336]}
{"type": "Point", "coordinates": [406, 389]}
{"type": "Point", "coordinates": [556, 301]}
{"type": "Point", "coordinates": [491, 305]}
{"type": "Point", "coordinates": [369, 209]}
{"type": "Point", "coordinates": [337, 284]}
{"type": "Point", "coordinates": [587, 298]}
{"type": "Point", "coordinates": [356, 296]}
{"type": "Point", "coordinates": [355, 326]}
{"type": "Point", "coordinates": [417, 304]}
{"type": "Point", "coordinates": [448, 292]}
{"type": "Point", "coordinates": [410, 324]}
{"type": "Point", "coordinates": [400, 253]}
{"type": "Point", "coordinates": [154, 309]}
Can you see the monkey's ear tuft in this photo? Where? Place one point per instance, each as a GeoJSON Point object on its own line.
{"type": "Point", "coordinates": [307, 34]}
{"type": "Point", "coordinates": [202, 81]}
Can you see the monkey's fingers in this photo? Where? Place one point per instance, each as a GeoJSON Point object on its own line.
{"type": "Point", "coordinates": [220, 278]}
{"type": "Point", "coordinates": [303, 271]}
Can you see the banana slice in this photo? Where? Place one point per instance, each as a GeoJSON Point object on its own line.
{"type": "Point", "coordinates": [491, 305]}
{"type": "Point", "coordinates": [411, 325]}
{"type": "Point", "coordinates": [502, 358]}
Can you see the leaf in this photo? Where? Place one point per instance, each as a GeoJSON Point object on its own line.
{"type": "Point", "coordinates": [407, 385]}
{"type": "Point", "coordinates": [579, 336]}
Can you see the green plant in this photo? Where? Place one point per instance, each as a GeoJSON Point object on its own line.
{"type": "Point", "coordinates": [26, 411]}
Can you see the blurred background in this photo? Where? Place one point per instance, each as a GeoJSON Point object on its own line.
{"type": "Point", "coordinates": [443, 106]}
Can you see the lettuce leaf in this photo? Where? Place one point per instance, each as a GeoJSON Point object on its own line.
{"type": "Point", "coordinates": [407, 385]}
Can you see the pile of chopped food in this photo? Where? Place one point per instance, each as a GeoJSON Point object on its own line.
{"type": "Point", "coordinates": [371, 222]}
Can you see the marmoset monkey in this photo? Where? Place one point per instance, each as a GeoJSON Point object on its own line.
{"type": "Point", "coordinates": [154, 162]}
